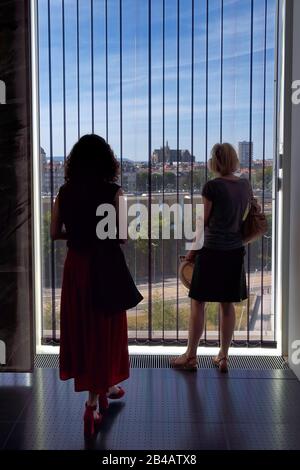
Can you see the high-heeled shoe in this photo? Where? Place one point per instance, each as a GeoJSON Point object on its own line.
{"type": "Point", "coordinates": [184, 363]}
{"type": "Point", "coordinates": [116, 395]}
{"type": "Point", "coordinates": [103, 400]}
{"type": "Point", "coordinates": [90, 420]}
{"type": "Point", "coordinates": [103, 403]}
{"type": "Point", "coordinates": [221, 363]}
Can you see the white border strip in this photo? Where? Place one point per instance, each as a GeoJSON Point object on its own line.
{"type": "Point", "coordinates": [177, 350]}
{"type": "Point", "coordinates": [278, 253]}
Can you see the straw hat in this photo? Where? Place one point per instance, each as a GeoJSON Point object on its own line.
{"type": "Point", "coordinates": [186, 269]}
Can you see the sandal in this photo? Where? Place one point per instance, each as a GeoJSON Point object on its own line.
{"type": "Point", "coordinates": [184, 363]}
{"type": "Point", "coordinates": [221, 363]}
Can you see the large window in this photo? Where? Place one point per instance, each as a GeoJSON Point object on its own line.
{"type": "Point", "coordinates": [162, 80]}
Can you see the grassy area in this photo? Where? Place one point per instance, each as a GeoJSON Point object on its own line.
{"type": "Point", "coordinates": [164, 316]}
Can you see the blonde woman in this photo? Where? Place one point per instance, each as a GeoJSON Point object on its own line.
{"type": "Point", "coordinates": [219, 274]}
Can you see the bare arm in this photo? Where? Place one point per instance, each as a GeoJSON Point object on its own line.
{"type": "Point", "coordinates": [56, 231]}
{"type": "Point", "coordinates": [121, 216]}
{"type": "Point", "coordinates": [207, 211]}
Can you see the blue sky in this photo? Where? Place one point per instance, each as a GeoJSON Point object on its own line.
{"type": "Point", "coordinates": [236, 74]}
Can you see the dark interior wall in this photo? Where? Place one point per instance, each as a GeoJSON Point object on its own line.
{"type": "Point", "coordinates": [16, 300]}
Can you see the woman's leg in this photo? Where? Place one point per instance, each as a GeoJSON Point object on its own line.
{"type": "Point", "coordinates": [93, 399]}
{"type": "Point", "coordinates": [227, 327]}
{"type": "Point", "coordinates": [91, 416]}
{"type": "Point", "coordinates": [196, 326]}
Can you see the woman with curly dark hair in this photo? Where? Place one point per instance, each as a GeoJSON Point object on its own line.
{"type": "Point", "coordinates": [97, 287]}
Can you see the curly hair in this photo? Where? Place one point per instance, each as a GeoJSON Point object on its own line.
{"type": "Point", "coordinates": [91, 158]}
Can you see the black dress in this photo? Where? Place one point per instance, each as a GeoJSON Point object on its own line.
{"type": "Point", "coordinates": [219, 276]}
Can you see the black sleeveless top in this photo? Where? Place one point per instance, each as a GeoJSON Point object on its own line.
{"type": "Point", "coordinates": [77, 205]}
{"type": "Point", "coordinates": [112, 286]}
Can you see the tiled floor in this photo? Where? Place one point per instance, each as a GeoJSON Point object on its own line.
{"type": "Point", "coordinates": [162, 409]}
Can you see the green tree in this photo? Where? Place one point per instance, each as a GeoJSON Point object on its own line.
{"type": "Point", "coordinates": [142, 181]}
{"type": "Point", "coordinates": [156, 181]}
{"type": "Point", "coordinates": [170, 180]}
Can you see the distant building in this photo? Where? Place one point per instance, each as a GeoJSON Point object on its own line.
{"type": "Point", "coordinates": [128, 165]}
{"type": "Point", "coordinates": [43, 156]}
{"type": "Point", "coordinates": [129, 181]}
{"type": "Point", "coordinates": [268, 162]}
{"type": "Point", "coordinates": [53, 175]}
{"type": "Point", "coordinates": [170, 156]}
{"type": "Point", "coordinates": [245, 153]}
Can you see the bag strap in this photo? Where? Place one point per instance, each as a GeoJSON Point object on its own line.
{"type": "Point", "coordinates": [251, 197]}
{"type": "Point", "coordinates": [246, 212]}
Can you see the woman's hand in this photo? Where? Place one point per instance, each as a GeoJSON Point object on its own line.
{"type": "Point", "coordinates": [56, 231]}
{"type": "Point", "coordinates": [191, 256]}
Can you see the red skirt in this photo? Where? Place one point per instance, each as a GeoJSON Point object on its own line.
{"type": "Point", "coordinates": [93, 343]}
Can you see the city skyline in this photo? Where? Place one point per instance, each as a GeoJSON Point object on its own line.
{"type": "Point", "coordinates": [134, 174]}
{"type": "Point", "coordinates": [128, 159]}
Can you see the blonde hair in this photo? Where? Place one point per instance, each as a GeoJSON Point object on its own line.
{"type": "Point", "coordinates": [224, 159]}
